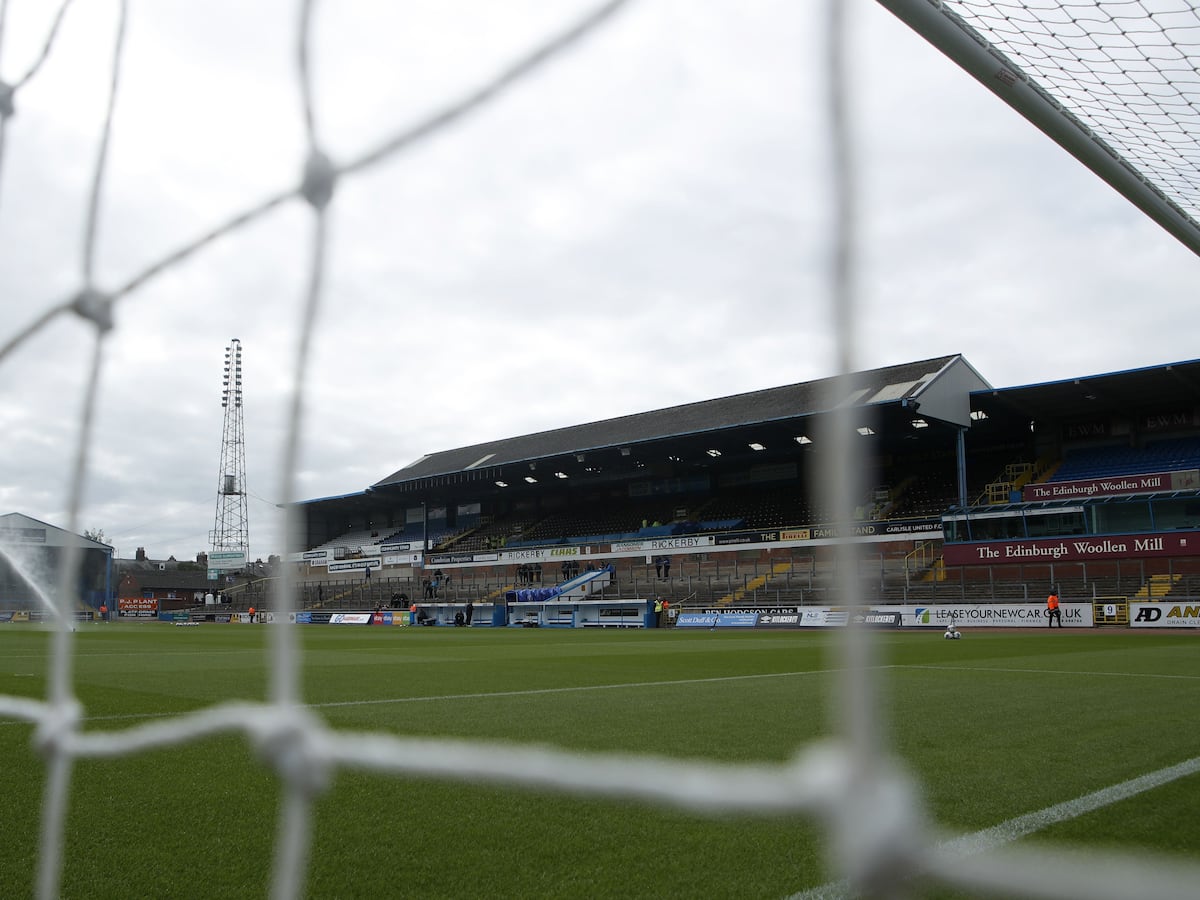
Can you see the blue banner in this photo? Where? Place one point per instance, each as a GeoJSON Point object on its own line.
{"type": "Point", "coordinates": [717, 620]}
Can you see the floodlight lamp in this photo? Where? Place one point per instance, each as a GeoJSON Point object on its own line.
{"type": "Point", "coordinates": [713, 453]}
{"type": "Point", "coordinates": [756, 446]}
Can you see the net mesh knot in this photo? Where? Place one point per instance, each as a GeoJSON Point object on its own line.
{"type": "Point", "coordinates": [289, 739]}
{"type": "Point", "coordinates": [319, 180]}
{"type": "Point", "coordinates": [56, 726]}
{"type": "Point", "coordinates": [874, 814]}
{"type": "Point", "coordinates": [95, 306]}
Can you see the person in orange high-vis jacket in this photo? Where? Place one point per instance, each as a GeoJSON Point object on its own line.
{"type": "Point", "coordinates": [1053, 613]}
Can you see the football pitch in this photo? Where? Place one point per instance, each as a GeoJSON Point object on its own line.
{"type": "Point", "coordinates": [994, 727]}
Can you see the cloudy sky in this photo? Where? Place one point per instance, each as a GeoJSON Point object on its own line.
{"type": "Point", "coordinates": [642, 223]}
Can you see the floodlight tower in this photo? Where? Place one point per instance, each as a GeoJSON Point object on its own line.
{"type": "Point", "coordinates": [231, 529]}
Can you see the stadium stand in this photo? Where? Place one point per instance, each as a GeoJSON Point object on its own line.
{"type": "Point", "coordinates": [723, 487]}
{"type": "Point", "coordinates": [1156, 456]}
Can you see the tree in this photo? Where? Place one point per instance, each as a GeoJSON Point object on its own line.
{"type": "Point", "coordinates": [95, 534]}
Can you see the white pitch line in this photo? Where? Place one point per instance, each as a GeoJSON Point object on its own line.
{"type": "Point", "coordinates": [954, 668]}
{"type": "Point", "coordinates": [484, 695]}
{"type": "Point", "coordinates": [141, 653]}
{"type": "Point", "coordinates": [1022, 826]}
{"type": "Point", "coordinates": [564, 690]}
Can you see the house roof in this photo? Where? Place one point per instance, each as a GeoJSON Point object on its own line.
{"type": "Point", "coordinates": [171, 579]}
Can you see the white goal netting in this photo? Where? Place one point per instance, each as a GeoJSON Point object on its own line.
{"type": "Point", "coordinates": [1113, 81]}
{"type": "Point", "coordinates": [1126, 70]}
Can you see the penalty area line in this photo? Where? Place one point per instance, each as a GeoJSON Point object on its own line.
{"type": "Point", "coordinates": [1022, 826]}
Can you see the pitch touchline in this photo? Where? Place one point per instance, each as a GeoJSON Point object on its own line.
{"type": "Point", "coordinates": [953, 668]}
{"type": "Point", "coordinates": [1023, 826]}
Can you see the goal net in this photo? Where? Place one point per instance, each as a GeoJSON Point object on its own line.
{"type": "Point", "coordinates": [1117, 78]}
{"type": "Point", "coordinates": [1113, 81]}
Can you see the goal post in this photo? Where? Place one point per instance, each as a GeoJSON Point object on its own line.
{"type": "Point", "coordinates": [938, 22]}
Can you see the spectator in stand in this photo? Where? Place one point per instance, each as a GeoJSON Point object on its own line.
{"type": "Point", "coordinates": [565, 568]}
{"type": "Point", "coordinates": [658, 564]}
{"type": "Point", "coordinates": [666, 567]}
{"type": "Point", "coordinates": [428, 586]}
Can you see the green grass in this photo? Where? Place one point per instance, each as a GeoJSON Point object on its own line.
{"type": "Point", "coordinates": [994, 726]}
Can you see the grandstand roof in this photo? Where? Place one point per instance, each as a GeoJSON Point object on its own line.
{"type": "Point", "coordinates": [705, 419]}
{"type": "Point", "coordinates": [18, 528]}
{"type": "Point", "coordinates": [714, 438]}
{"type": "Point", "coordinates": [1166, 387]}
